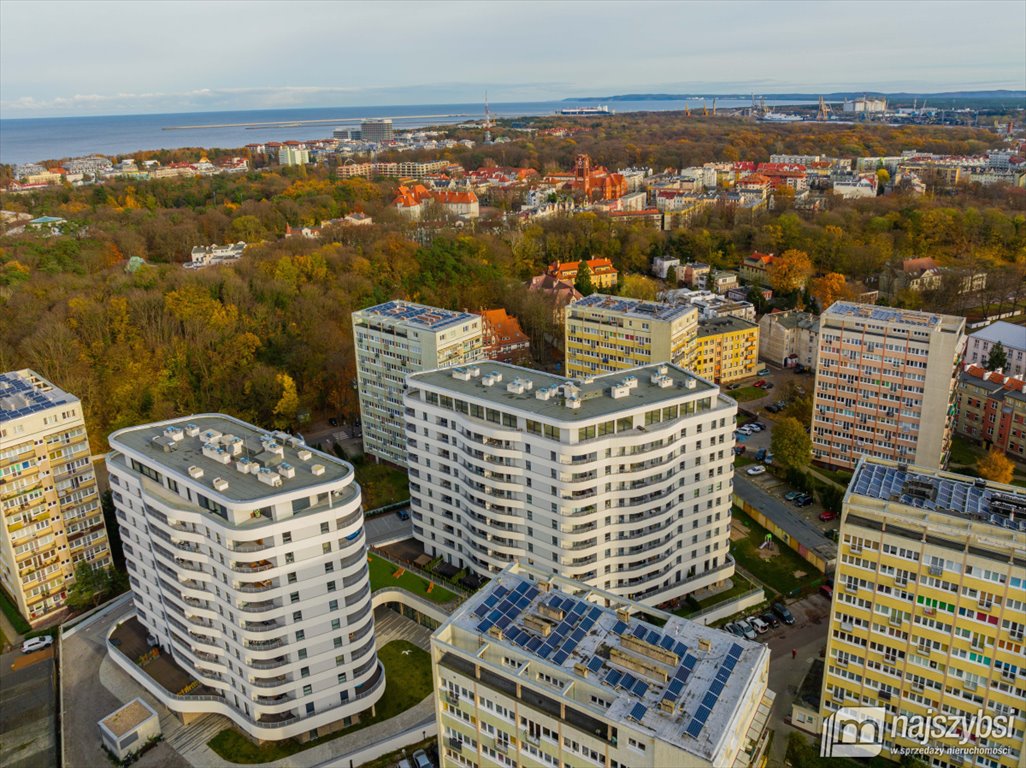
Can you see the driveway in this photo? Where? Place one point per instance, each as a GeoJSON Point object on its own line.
{"type": "Point", "coordinates": [28, 710]}
{"type": "Point", "coordinates": [386, 528]}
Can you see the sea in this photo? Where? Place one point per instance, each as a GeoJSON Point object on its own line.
{"type": "Point", "coordinates": [27, 140]}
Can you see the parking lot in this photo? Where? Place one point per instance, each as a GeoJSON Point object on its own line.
{"type": "Point", "coordinates": [27, 710]}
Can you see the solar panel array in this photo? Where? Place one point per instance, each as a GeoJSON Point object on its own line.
{"type": "Point", "coordinates": [694, 728]}
{"type": "Point", "coordinates": [20, 397]}
{"type": "Point", "coordinates": [429, 317]}
{"type": "Point", "coordinates": [886, 482]}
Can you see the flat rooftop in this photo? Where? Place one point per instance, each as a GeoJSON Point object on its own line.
{"type": "Point", "coordinates": [1008, 334]}
{"type": "Point", "coordinates": [123, 720]}
{"type": "Point", "coordinates": [416, 315]}
{"type": "Point", "coordinates": [521, 388]}
{"type": "Point", "coordinates": [25, 392]}
{"type": "Point", "coordinates": [964, 497]}
{"type": "Point", "coordinates": [636, 308]}
{"type": "Point", "coordinates": [702, 674]}
{"type": "Point", "coordinates": [726, 324]}
{"type": "Point", "coordinates": [226, 448]}
{"type": "Point", "coordinates": [903, 317]}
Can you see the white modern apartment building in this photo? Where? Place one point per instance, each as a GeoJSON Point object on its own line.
{"type": "Point", "coordinates": [393, 340]}
{"type": "Point", "coordinates": [544, 671]}
{"type": "Point", "coordinates": [247, 560]}
{"type": "Point", "coordinates": [622, 481]}
{"type": "Point", "coordinates": [51, 515]}
{"type": "Point", "coordinates": [885, 385]}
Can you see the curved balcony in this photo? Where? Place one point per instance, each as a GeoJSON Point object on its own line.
{"type": "Point", "coordinates": [256, 586]}
{"type": "Point", "coordinates": [270, 682]}
{"type": "Point", "coordinates": [257, 545]}
{"type": "Point", "coordinates": [278, 661]}
{"type": "Point", "coordinates": [262, 626]}
{"type": "Point", "coordinates": [262, 606]}
{"type": "Point", "coordinates": [264, 645]}
{"type": "Point", "coordinates": [256, 566]}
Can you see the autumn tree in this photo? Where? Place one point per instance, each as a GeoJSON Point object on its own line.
{"type": "Point", "coordinates": [791, 444]}
{"type": "Point", "coordinates": [998, 358]}
{"type": "Point", "coordinates": [671, 277]}
{"type": "Point", "coordinates": [638, 287]}
{"type": "Point", "coordinates": [829, 288]}
{"type": "Point", "coordinates": [995, 466]}
{"type": "Point", "coordinates": [790, 271]}
{"type": "Point", "coordinates": [583, 282]}
{"type": "Point", "coordinates": [288, 403]}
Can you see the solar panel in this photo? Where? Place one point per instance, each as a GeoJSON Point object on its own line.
{"type": "Point", "coordinates": [680, 649]}
{"type": "Point", "coordinates": [709, 700]}
{"type": "Point", "coordinates": [694, 728]}
{"type": "Point", "coordinates": [639, 631]}
{"type": "Point", "coordinates": [681, 673]}
{"type": "Point", "coordinates": [716, 688]}
{"type": "Point", "coordinates": [666, 643]}
{"type": "Point", "coordinates": [577, 636]}
{"type": "Point", "coordinates": [735, 651]}
{"type": "Point", "coordinates": [619, 628]}
{"type": "Point", "coordinates": [729, 663]}
{"type": "Point", "coordinates": [485, 625]}
{"type": "Point", "coordinates": [675, 687]}
{"type": "Point", "coordinates": [640, 688]}
{"type": "Point", "coordinates": [503, 622]}
{"type": "Point", "coordinates": [628, 681]}
{"type": "Point", "coordinates": [614, 677]}
{"type": "Point", "coordinates": [560, 657]}
{"type": "Point", "coordinates": [533, 644]}
{"type": "Point", "coordinates": [638, 711]}
{"type": "Point", "coordinates": [595, 613]}
{"type": "Point", "coordinates": [595, 664]}
{"type": "Point", "coordinates": [689, 663]}
{"type": "Point", "coordinates": [545, 650]}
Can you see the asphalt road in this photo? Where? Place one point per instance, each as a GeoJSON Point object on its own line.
{"type": "Point", "coordinates": [28, 710]}
{"type": "Point", "coordinates": [387, 527]}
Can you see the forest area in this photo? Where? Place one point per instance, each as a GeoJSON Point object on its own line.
{"type": "Point", "coordinates": [270, 335]}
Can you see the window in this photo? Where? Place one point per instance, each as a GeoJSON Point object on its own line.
{"type": "Point", "coordinates": [324, 527]}
{"type": "Point", "coordinates": [333, 605]}
{"type": "Point", "coordinates": [294, 597]}
{"type": "Point", "coordinates": [304, 672]}
{"type": "Point", "coordinates": [290, 557]}
{"type": "Point", "coordinates": [624, 425]}
{"type": "Point", "coordinates": [302, 653]}
{"type": "Point", "coordinates": [341, 677]}
{"type": "Point", "coordinates": [297, 615]}
{"type": "Point", "coordinates": [326, 548]}
{"type": "Point", "coordinates": [329, 567]}
{"type": "Point", "coordinates": [534, 427]}
{"type": "Point", "coordinates": [291, 578]}
{"type": "Point", "coordinates": [586, 433]}
{"type": "Point", "coordinates": [310, 705]}
{"type": "Point", "coordinates": [338, 642]}
{"type": "Point", "coordinates": [286, 538]}
{"type": "Point", "coordinates": [336, 623]}
{"type": "Point", "coordinates": [300, 635]}
{"type": "Point", "coordinates": [331, 588]}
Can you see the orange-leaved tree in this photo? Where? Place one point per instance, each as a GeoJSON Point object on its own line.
{"type": "Point", "coordinates": [790, 271]}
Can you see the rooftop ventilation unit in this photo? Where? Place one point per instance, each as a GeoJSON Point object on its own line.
{"type": "Point", "coordinates": [690, 384]}
{"type": "Point", "coordinates": [191, 430]}
{"type": "Point", "coordinates": [195, 472]}
{"type": "Point", "coordinates": [245, 465]}
{"type": "Point", "coordinates": [174, 433]}
{"type": "Point", "coordinates": [220, 484]}
{"type": "Point", "coordinates": [661, 380]}
{"type": "Point", "coordinates": [269, 477]}
{"type": "Point", "coordinates": [466, 373]}
{"type": "Point", "coordinates": [491, 378]}
{"type": "Point", "coordinates": [304, 455]}
{"type": "Point", "coordinates": [216, 453]}
{"type": "Point", "coordinates": [619, 390]}
{"type": "Point", "coordinates": [519, 386]}
{"type": "Point", "coordinates": [209, 435]}
{"type": "Point", "coordinates": [232, 444]}
{"type": "Point", "coordinates": [317, 469]}
{"type": "Point", "coordinates": [572, 401]}
{"type": "Point", "coordinates": [165, 443]}
{"type": "Point", "coordinates": [545, 393]}
{"type": "Point", "coordinates": [286, 470]}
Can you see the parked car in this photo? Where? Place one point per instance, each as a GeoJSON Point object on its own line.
{"type": "Point", "coordinates": [758, 469]}
{"type": "Point", "coordinates": [404, 514]}
{"type": "Point", "coordinates": [826, 515]}
{"type": "Point", "coordinates": [760, 454]}
{"type": "Point", "coordinates": [732, 387]}
{"type": "Point", "coordinates": [768, 386]}
{"type": "Point", "coordinates": [748, 630]}
{"type": "Point", "coordinates": [733, 629]}
{"type": "Point", "coordinates": [739, 449]}
{"type": "Point", "coordinates": [782, 611]}
{"type": "Point", "coordinates": [763, 371]}
{"type": "Point", "coordinates": [792, 495]}
{"type": "Point", "coordinates": [760, 383]}
{"type": "Point", "coordinates": [421, 760]}
{"type": "Point", "coordinates": [770, 619]}
{"type": "Point", "coordinates": [773, 408]}
{"type": "Point", "coordinates": [34, 644]}
{"type": "Point", "coordinates": [804, 500]}
{"type": "Point", "coordinates": [827, 591]}
{"type": "Point", "coordinates": [767, 459]}
{"type": "Point", "coordinates": [404, 763]}
{"type": "Point", "coordinates": [758, 424]}
{"type": "Point", "coordinates": [758, 624]}
{"type": "Point", "coordinates": [754, 426]}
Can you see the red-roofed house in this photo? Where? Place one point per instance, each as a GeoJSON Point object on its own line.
{"type": "Point", "coordinates": [504, 339]}
{"type": "Point", "coordinates": [992, 410]}
{"type": "Point", "coordinates": [411, 201]}
{"type": "Point", "coordinates": [755, 267]}
{"type": "Point", "coordinates": [603, 273]}
{"type": "Point", "coordinates": [561, 292]}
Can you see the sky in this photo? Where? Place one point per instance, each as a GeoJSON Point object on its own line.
{"type": "Point", "coordinates": [99, 58]}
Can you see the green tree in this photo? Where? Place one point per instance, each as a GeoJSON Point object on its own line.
{"type": "Point", "coordinates": [671, 277]}
{"type": "Point", "coordinates": [791, 444]}
{"type": "Point", "coordinates": [583, 282]}
{"type": "Point", "coordinates": [91, 584]}
{"type": "Point", "coordinates": [639, 287]}
{"type": "Point", "coordinates": [997, 358]}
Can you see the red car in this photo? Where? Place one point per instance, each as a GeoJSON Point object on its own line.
{"type": "Point", "coordinates": [827, 515]}
{"type": "Point", "coordinates": [760, 383]}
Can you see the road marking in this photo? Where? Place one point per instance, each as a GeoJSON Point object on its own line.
{"type": "Point", "coordinates": [32, 658]}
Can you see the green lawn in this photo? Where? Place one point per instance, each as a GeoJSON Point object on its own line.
{"type": "Point", "coordinates": [743, 460]}
{"type": "Point", "coordinates": [840, 476]}
{"type": "Point", "coordinates": [746, 394]}
{"type": "Point", "coordinates": [381, 571]}
{"type": "Point", "coordinates": [11, 612]}
{"type": "Point", "coordinates": [963, 452]}
{"type": "Point", "coordinates": [777, 573]}
{"type": "Point", "coordinates": [407, 683]}
{"type": "Point", "coordinates": [381, 484]}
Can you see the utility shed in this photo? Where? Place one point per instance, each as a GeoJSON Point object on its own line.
{"type": "Point", "coordinates": [127, 730]}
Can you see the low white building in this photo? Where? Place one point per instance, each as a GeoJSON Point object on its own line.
{"type": "Point", "coordinates": [661, 267]}
{"type": "Point", "coordinates": [127, 730]}
{"type": "Point", "coordinates": [1012, 337]}
{"type": "Point", "coordinates": [622, 481]}
{"type": "Point", "coordinates": [209, 255]}
{"type": "Point", "coordinates": [859, 187]}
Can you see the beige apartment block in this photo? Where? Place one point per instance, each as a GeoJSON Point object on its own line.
{"type": "Point", "coordinates": [885, 385]}
{"type": "Point", "coordinates": [52, 519]}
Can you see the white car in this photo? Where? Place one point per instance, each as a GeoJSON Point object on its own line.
{"type": "Point", "coordinates": [759, 625]}
{"type": "Point", "coordinates": [758, 469]}
{"type": "Point", "coordinates": [746, 628]}
{"type": "Point", "coordinates": [421, 760]}
{"type": "Point", "coordinates": [34, 644]}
